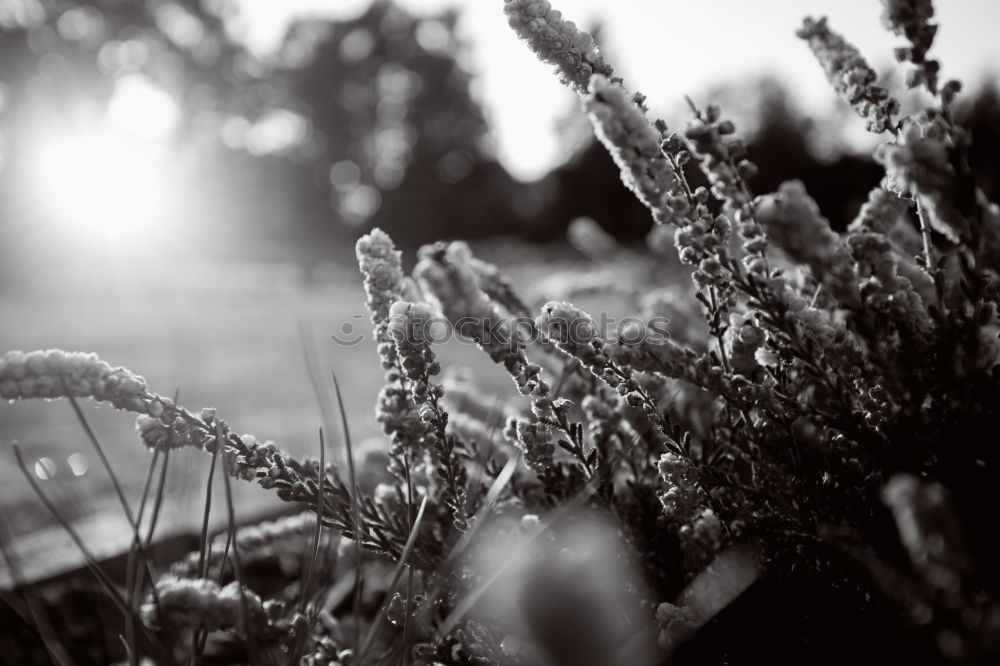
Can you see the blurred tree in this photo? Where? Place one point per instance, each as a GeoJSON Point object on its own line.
{"type": "Point", "coordinates": [399, 140]}
{"type": "Point", "coordinates": [371, 116]}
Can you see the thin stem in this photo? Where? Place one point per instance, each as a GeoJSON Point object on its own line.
{"type": "Point", "coordinates": [202, 563]}
{"type": "Point", "coordinates": [103, 458]}
{"type": "Point", "coordinates": [237, 565]}
{"type": "Point", "coordinates": [306, 586]}
{"type": "Point", "coordinates": [158, 501]}
{"type": "Point", "coordinates": [355, 511]}
{"type": "Point", "coordinates": [925, 234]}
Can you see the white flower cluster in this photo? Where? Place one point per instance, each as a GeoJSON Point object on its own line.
{"type": "Point", "coordinates": [556, 41]}
{"type": "Point", "coordinates": [382, 270]}
{"type": "Point", "coordinates": [622, 127]}
{"type": "Point", "coordinates": [55, 373]}
{"type": "Point", "coordinates": [850, 74]}
{"type": "Point", "coordinates": [918, 164]}
{"type": "Point", "coordinates": [194, 603]}
{"type": "Point", "coordinates": [723, 161]}
{"type": "Point", "coordinates": [445, 271]}
{"type": "Point", "coordinates": [252, 540]}
{"type": "Point", "coordinates": [911, 19]}
{"type": "Point", "coordinates": [794, 222]}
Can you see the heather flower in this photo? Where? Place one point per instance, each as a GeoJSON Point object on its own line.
{"type": "Point", "coordinates": [918, 165]}
{"type": "Point", "coordinates": [911, 19]}
{"type": "Point", "coordinates": [55, 373]}
{"type": "Point", "coordinates": [395, 408]}
{"type": "Point", "coordinates": [534, 440]}
{"type": "Point", "coordinates": [662, 356]}
{"type": "Point", "coordinates": [850, 75]}
{"type": "Point", "coordinates": [794, 222]}
{"type": "Point", "coordinates": [446, 273]}
{"type": "Point", "coordinates": [701, 538]}
{"type": "Point", "coordinates": [885, 213]}
{"type": "Point", "coordinates": [699, 530]}
{"type": "Point", "coordinates": [880, 213]}
{"type": "Point", "coordinates": [382, 271]}
{"type": "Point", "coordinates": [681, 500]}
{"type": "Point", "coordinates": [655, 354]}
{"type": "Point", "coordinates": [175, 434]}
{"type": "Point", "coordinates": [397, 414]}
{"type": "Point", "coordinates": [677, 624]}
{"type": "Point", "coordinates": [813, 325]}
{"type": "Point", "coordinates": [702, 241]}
{"type": "Point", "coordinates": [727, 171]}
{"type": "Point", "coordinates": [883, 289]}
{"type": "Point", "coordinates": [407, 328]}
{"type": "Point", "coordinates": [556, 41]}
{"type": "Point", "coordinates": [622, 127]}
{"type": "Point", "coordinates": [253, 541]}
{"type": "Point", "coordinates": [648, 352]}
{"type": "Point", "coordinates": [575, 334]}
{"type": "Point", "coordinates": [743, 338]}
{"type": "Point", "coordinates": [199, 603]}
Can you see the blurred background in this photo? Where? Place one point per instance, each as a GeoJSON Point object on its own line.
{"type": "Point", "coordinates": [182, 183]}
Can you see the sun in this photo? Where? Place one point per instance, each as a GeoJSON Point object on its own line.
{"type": "Point", "coordinates": [100, 183]}
{"type": "Point", "coordinates": [108, 180]}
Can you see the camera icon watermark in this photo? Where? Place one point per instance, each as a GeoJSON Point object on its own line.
{"type": "Point", "coordinates": [351, 333]}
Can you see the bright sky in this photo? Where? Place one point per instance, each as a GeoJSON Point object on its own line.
{"type": "Point", "coordinates": [665, 48]}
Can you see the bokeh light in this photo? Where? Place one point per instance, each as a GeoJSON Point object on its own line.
{"type": "Point", "coordinates": [45, 468]}
{"type": "Point", "coordinates": [78, 464]}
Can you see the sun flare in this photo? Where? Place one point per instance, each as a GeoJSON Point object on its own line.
{"type": "Point", "coordinates": [101, 183]}
{"type": "Point", "coordinates": [108, 178]}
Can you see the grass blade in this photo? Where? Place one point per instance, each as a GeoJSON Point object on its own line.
{"type": "Point", "coordinates": [355, 510]}
{"type": "Point", "coordinates": [202, 553]}
{"type": "Point", "coordinates": [307, 585]}
{"type": "Point", "coordinates": [314, 367]}
{"type": "Point", "coordinates": [158, 501]}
